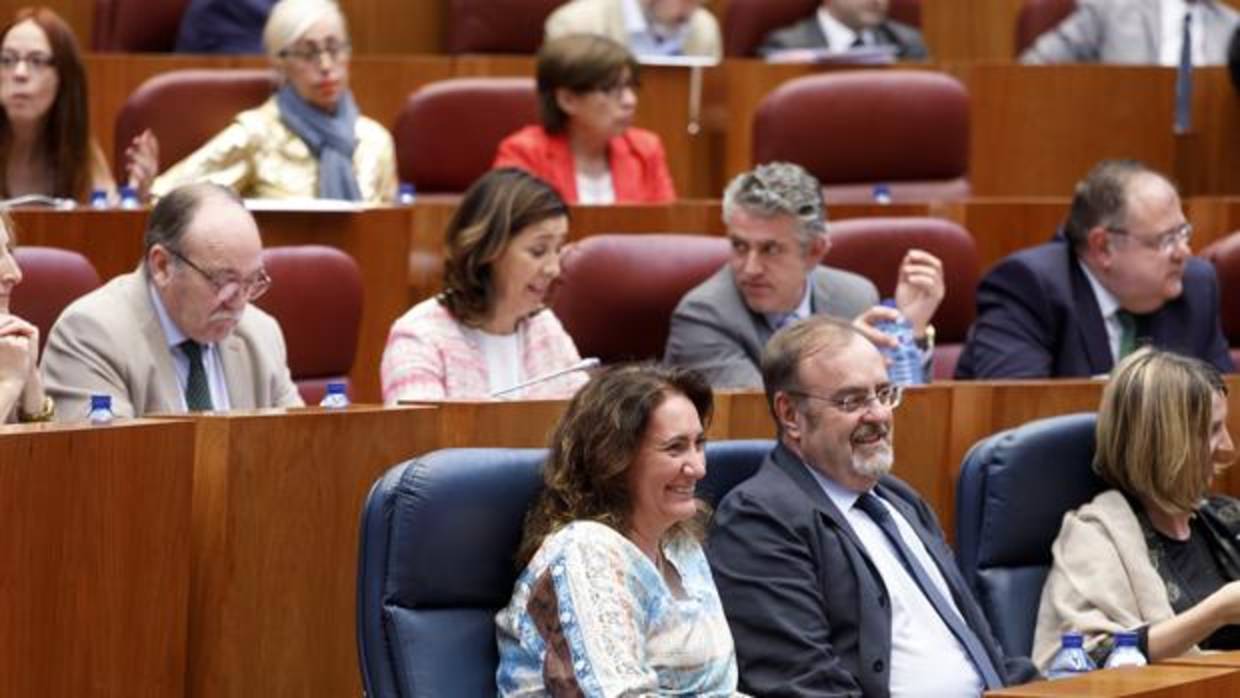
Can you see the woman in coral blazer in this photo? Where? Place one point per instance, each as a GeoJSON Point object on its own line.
{"type": "Point", "coordinates": [586, 146]}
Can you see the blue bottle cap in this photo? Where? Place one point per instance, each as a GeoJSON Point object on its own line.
{"type": "Point", "coordinates": [100, 402]}
{"type": "Point", "coordinates": [1073, 639]}
{"type": "Point", "coordinates": [1126, 639]}
{"type": "Point", "coordinates": [335, 388]}
{"type": "Point", "coordinates": [407, 188]}
{"type": "Point", "coordinates": [882, 194]}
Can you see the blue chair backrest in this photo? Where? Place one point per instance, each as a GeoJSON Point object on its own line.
{"type": "Point", "coordinates": [439, 535]}
{"type": "Point", "coordinates": [1014, 489]}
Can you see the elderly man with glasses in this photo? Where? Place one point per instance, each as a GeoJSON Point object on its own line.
{"type": "Point", "coordinates": [178, 333]}
{"type": "Point", "coordinates": [834, 575]}
{"type": "Point", "coordinates": [1120, 275]}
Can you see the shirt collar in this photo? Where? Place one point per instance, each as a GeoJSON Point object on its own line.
{"type": "Point", "coordinates": [1107, 302]}
{"type": "Point", "coordinates": [843, 498]}
{"type": "Point", "coordinates": [840, 37]}
{"type": "Point", "coordinates": [636, 25]}
{"type": "Point", "coordinates": [172, 334]}
{"type": "Point", "coordinates": [802, 311]}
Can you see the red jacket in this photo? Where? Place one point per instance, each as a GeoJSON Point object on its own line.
{"type": "Point", "coordinates": [639, 173]}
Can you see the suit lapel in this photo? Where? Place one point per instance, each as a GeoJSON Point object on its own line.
{"type": "Point", "coordinates": [812, 29]}
{"type": "Point", "coordinates": [1091, 324]}
{"type": "Point", "coordinates": [626, 176]}
{"type": "Point", "coordinates": [560, 157]}
{"type": "Point", "coordinates": [795, 469]}
{"type": "Point", "coordinates": [166, 393]}
{"type": "Point", "coordinates": [238, 373]}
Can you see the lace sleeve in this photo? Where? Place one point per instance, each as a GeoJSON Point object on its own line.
{"type": "Point", "coordinates": [591, 607]}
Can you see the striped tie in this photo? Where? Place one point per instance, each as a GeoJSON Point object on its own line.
{"type": "Point", "coordinates": [197, 392]}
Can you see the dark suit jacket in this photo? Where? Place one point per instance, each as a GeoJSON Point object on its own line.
{"type": "Point", "coordinates": [224, 26]}
{"type": "Point", "coordinates": [808, 34]}
{"type": "Point", "coordinates": [1037, 317]}
{"type": "Point", "coordinates": [807, 608]}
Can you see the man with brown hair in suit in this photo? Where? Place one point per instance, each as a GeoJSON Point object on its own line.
{"type": "Point", "coordinates": [178, 333]}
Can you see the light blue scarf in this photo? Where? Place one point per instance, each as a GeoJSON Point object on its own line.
{"type": "Point", "coordinates": [330, 137]}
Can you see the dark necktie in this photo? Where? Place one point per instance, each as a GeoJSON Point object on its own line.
{"type": "Point", "coordinates": [197, 392]}
{"type": "Point", "coordinates": [870, 504]}
{"type": "Point", "coordinates": [1184, 78]}
{"type": "Point", "coordinates": [1127, 334]}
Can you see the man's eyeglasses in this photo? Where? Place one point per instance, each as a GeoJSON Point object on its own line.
{"type": "Point", "coordinates": [227, 284]}
{"type": "Point", "coordinates": [313, 53]}
{"type": "Point", "coordinates": [1163, 242]}
{"type": "Point", "coordinates": [888, 396]}
{"type": "Point", "coordinates": [35, 62]}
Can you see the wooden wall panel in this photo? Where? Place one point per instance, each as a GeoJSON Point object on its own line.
{"type": "Point", "coordinates": [94, 559]}
{"type": "Point", "coordinates": [277, 504]}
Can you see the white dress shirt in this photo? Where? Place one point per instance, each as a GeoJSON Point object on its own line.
{"type": "Point", "coordinates": [644, 41]}
{"type": "Point", "coordinates": [1172, 22]}
{"type": "Point", "coordinates": [840, 37]}
{"type": "Point", "coordinates": [926, 658]}
{"type": "Point", "coordinates": [1108, 304]}
{"type": "Point", "coordinates": [180, 362]}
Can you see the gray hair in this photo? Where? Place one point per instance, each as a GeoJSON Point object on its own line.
{"type": "Point", "coordinates": [289, 19]}
{"type": "Point", "coordinates": [174, 213]}
{"type": "Point", "coordinates": [779, 189]}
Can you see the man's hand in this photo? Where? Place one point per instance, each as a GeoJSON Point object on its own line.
{"type": "Point", "coordinates": [920, 289]}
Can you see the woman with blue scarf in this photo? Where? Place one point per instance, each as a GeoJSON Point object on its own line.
{"type": "Point", "coordinates": [308, 140]}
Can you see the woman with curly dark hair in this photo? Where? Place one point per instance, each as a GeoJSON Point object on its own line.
{"type": "Point", "coordinates": [489, 329]}
{"type": "Point", "coordinates": [616, 597]}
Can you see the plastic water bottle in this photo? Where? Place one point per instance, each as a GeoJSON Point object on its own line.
{"type": "Point", "coordinates": [1125, 652]}
{"type": "Point", "coordinates": [905, 360]}
{"type": "Point", "coordinates": [405, 194]}
{"type": "Point", "coordinates": [129, 198]}
{"type": "Point", "coordinates": [101, 409]}
{"type": "Point", "coordinates": [1071, 660]}
{"type": "Point", "coordinates": [882, 194]}
{"type": "Point", "coordinates": [335, 397]}
{"type": "Point", "coordinates": [98, 199]}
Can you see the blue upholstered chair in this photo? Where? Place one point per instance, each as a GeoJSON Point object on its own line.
{"type": "Point", "coordinates": [1014, 489]}
{"type": "Point", "coordinates": [438, 538]}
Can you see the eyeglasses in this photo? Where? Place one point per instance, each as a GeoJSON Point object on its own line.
{"type": "Point", "coordinates": [227, 284]}
{"type": "Point", "coordinates": [1163, 242]}
{"type": "Point", "coordinates": [888, 396]}
{"type": "Point", "coordinates": [616, 89]}
{"type": "Point", "coordinates": [311, 53]}
{"type": "Point", "coordinates": [35, 62]}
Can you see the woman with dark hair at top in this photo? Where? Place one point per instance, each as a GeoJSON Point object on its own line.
{"type": "Point", "coordinates": [1157, 554]}
{"type": "Point", "coordinates": [21, 389]}
{"type": "Point", "coordinates": [308, 140]}
{"type": "Point", "coordinates": [587, 147]}
{"type": "Point", "coordinates": [616, 597]}
{"type": "Point", "coordinates": [45, 143]}
{"type": "Point", "coordinates": [489, 329]}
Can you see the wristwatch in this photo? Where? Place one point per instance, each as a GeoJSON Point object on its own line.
{"type": "Point", "coordinates": [44, 415]}
{"type": "Point", "coordinates": [926, 341]}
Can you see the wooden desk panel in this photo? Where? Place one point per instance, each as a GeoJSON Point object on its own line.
{"type": "Point", "coordinates": [276, 509]}
{"type": "Point", "coordinates": [95, 559]}
{"type": "Point", "coordinates": [1147, 682]}
{"type": "Point", "coordinates": [1213, 659]}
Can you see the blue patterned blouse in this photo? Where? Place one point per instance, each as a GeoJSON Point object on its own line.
{"type": "Point", "coordinates": [592, 616]}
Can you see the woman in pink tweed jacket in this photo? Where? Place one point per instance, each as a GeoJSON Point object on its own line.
{"type": "Point", "coordinates": [489, 330]}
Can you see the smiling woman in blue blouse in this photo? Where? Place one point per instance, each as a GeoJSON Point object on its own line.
{"type": "Point", "coordinates": [616, 597]}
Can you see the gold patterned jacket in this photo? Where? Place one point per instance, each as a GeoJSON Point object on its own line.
{"type": "Point", "coordinates": [261, 158]}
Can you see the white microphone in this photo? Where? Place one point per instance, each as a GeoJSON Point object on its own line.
{"type": "Point", "coordinates": [583, 365]}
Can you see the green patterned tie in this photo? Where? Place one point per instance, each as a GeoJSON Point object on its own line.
{"type": "Point", "coordinates": [1127, 333]}
{"type": "Point", "coordinates": [197, 392]}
